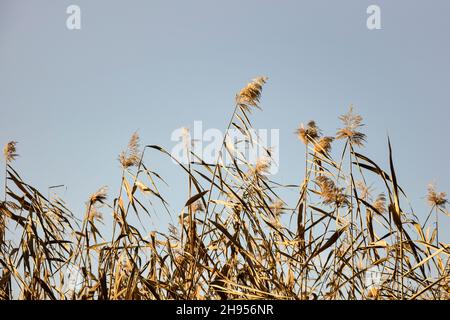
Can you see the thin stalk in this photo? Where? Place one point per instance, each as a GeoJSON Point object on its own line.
{"type": "Point", "coordinates": [210, 191]}
{"type": "Point", "coordinates": [351, 226]}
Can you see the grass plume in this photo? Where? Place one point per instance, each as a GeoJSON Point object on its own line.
{"type": "Point", "coordinates": [237, 236]}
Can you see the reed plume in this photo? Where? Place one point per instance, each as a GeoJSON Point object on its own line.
{"type": "Point", "coordinates": [434, 198]}
{"type": "Point", "coordinates": [309, 134]}
{"type": "Point", "coordinates": [131, 157]}
{"type": "Point", "coordinates": [197, 206]}
{"type": "Point", "coordinates": [330, 193]}
{"type": "Point", "coordinates": [99, 196]}
{"type": "Point", "coordinates": [10, 151]}
{"type": "Point", "coordinates": [277, 207]}
{"type": "Point", "coordinates": [380, 203]}
{"type": "Point", "coordinates": [261, 167]}
{"type": "Point", "coordinates": [363, 189]}
{"type": "Point", "coordinates": [352, 122]}
{"type": "Point", "coordinates": [250, 95]}
{"type": "Point", "coordinates": [323, 146]}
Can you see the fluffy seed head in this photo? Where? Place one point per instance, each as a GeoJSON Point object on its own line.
{"type": "Point", "coordinates": [277, 207]}
{"type": "Point", "coordinates": [197, 206]}
{"type": "Point", "coordinates": [330, 193]}
{"type": "Point", "coordinates": [94, 214]}
{"type": "Point", "coordinates": [363, 189]}
{"type": "Point", "coordinates": [9, 151]}
{"type": "Point", "coordinates": [309, 134]}
{"type": "Point", "coordinates": [380, 203]}
{"type": "Point", "coordinates": [323, 146]}
{"type": "Point", "coordinates": [436, 199]}
{"type": "Point", "coordinates": [262, 166]}
{"type": "Point", "coordinates": [99, 196]}
{"type": "Point", "coordinates": [250, 95]}
{"type": "Point", "coordinates": [352, 122]}
{"type": "Point", "coordinates": [131, 156]}
{"type": "Point", "coordinates": [186, 137]}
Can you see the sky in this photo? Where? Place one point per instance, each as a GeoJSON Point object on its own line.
{"type": "Point", "coordinates": [72, 98]}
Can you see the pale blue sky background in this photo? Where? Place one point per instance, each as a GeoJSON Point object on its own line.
{"type": "Point", "coordinates": [73, 98]}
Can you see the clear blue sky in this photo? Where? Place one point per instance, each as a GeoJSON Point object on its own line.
{"type": "Point", "coordinates": [73, 98]}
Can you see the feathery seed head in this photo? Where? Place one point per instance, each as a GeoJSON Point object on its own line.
{"type": "Point", "coordinates": [9, 151]}
{"type": "Point", "coordinates": [309, 134]}
{"type": "Point", "coordinates": [197, 206]}
{"type": "Point", "coordinates": [262, 166]}
{"type": "Point", "coordinates": [364, 190]}
{"type": "Point", "coordinates": [323, 146]}
{"type": "Point", "coordinates": [352, 122]}
{"type": "Point", "coordinates": [131, 157]}
{"type": "Point", "coordinates": [277, 208]}
{"type": "Point", "coordinates": [99, 196]}
{"type": "Point", "coordinates": [380, 203]}
{"type": "Point", "coordinates": [250, 95]}
{"type": "Point", "coordinates": [186, 137]}
{"type": "Point", "coordinates": [330, 193]}
{"type": "Point", "coordinates": [436, 199]}
{"type": "Point", "coordinates": [94, 214]}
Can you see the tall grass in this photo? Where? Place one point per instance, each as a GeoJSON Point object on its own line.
{"type": "Point", "coordinates": [231, 241]}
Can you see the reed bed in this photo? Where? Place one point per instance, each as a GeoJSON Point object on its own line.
{"type": "Point", "coordinates": [236, 238]}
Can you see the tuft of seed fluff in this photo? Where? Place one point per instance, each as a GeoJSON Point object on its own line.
{"type": "Point", "coordinates": [186, 138]}
{"type": "Point", "coordinates": [363, 189]}
{"type": "Point", "coordinates": [262, 166]}
{"type": "Point", "coordinates": [197, 206]}
{"type": "Point", "coordinates": [131, 157]}
{"type": "Point", "coordinates": [10, 151]}
{"type": "Point", "coordinates": [330, 193]}
{"type": "Point", "coordinates": [277, 208]}
{"type": "Point", "coordinates": [309, 134]}
{"type": "Point", "coordinates": [380, 203]}
{"type": "Point", "coordinates": [94, 214]}
{"type": "Point", "coordinates": [249, 96]}
{"type": "Point", "coordinates": [434, 198]}
{"type": "Point", "coordinates": [99, 196]}
{"type": "Point", "coordinates": [323, 146]}
{"type": "Point", "coordinates": [352, 122]}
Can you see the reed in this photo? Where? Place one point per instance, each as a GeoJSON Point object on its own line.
{"type": "Point", "coordinates": [232, 239]}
